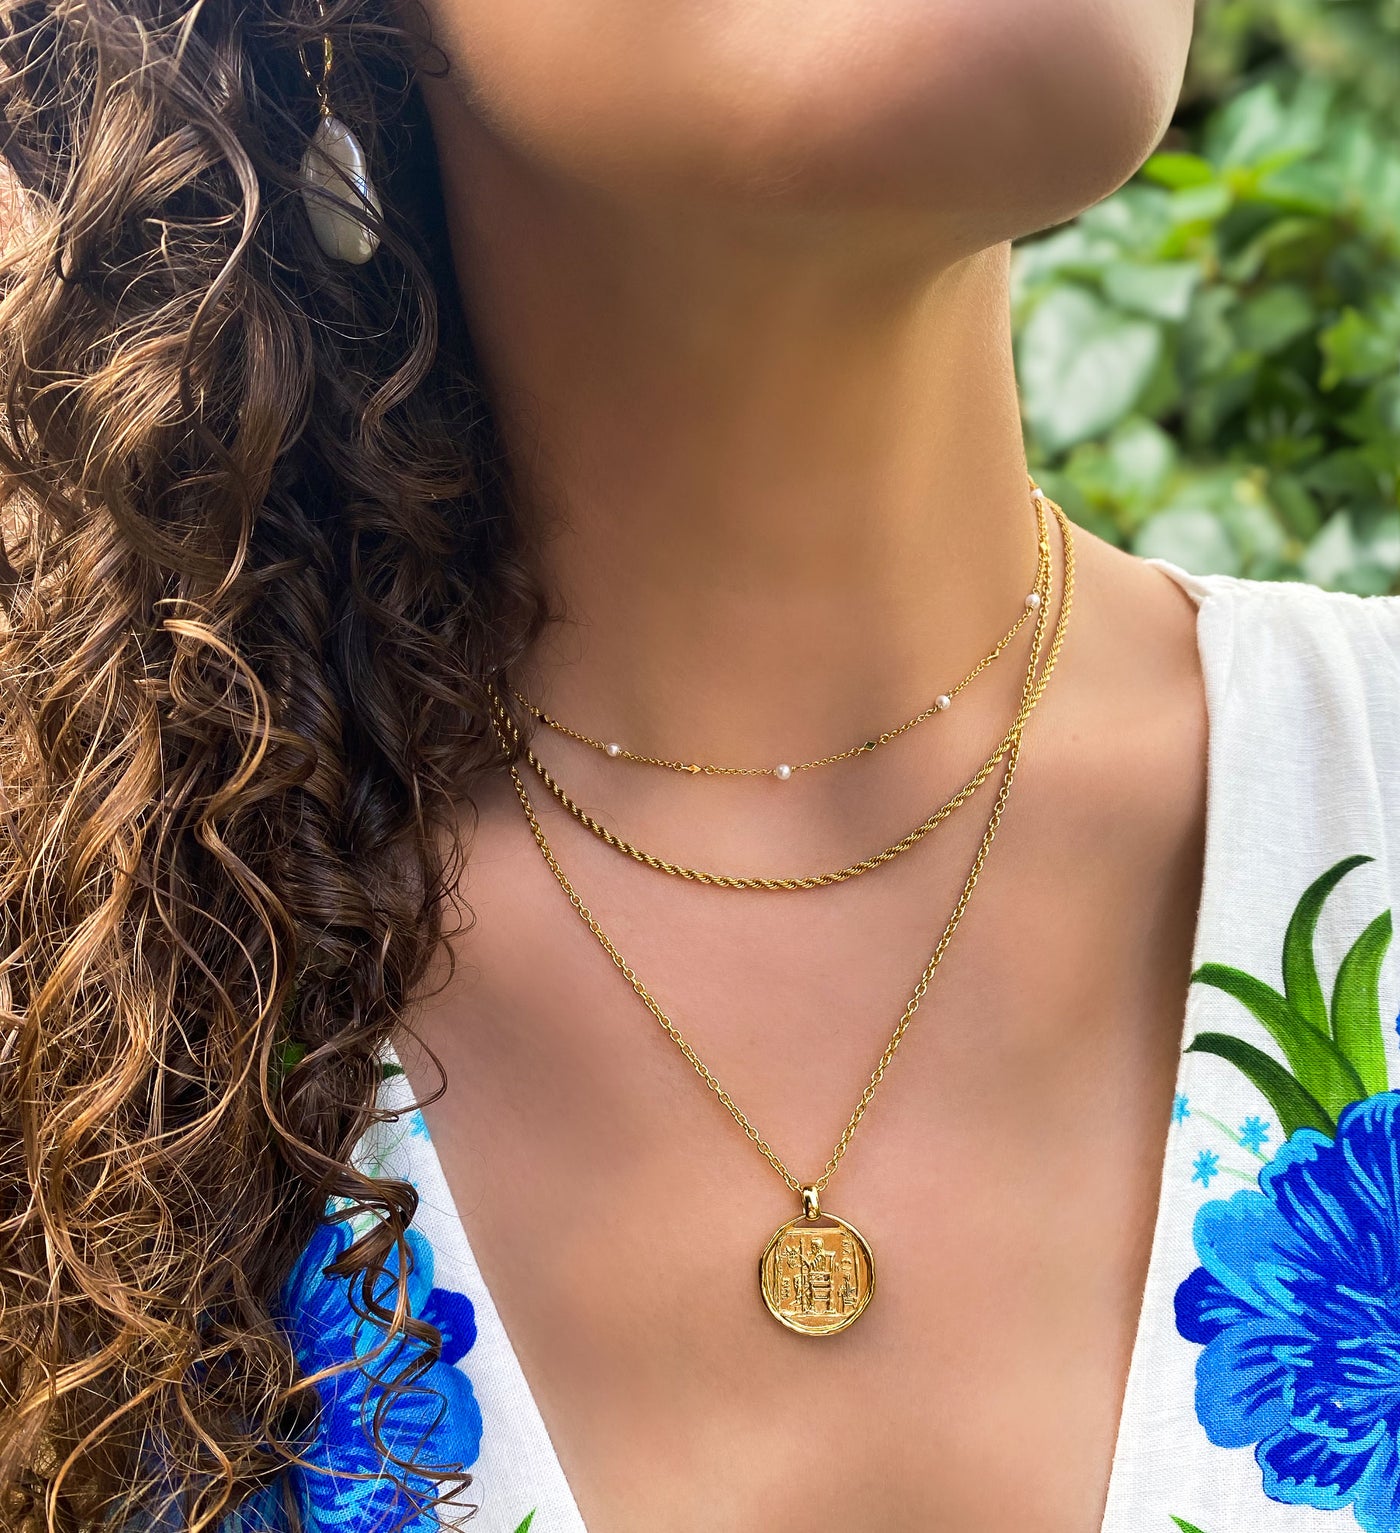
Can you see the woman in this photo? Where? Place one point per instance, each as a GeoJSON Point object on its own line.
{"type": "Point", "coordinates": [390, 557]}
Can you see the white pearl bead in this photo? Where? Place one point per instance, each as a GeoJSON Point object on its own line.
{"type": "Point", "coordinates": [943, 702]}
{"type": "Point", "coordinates": [783, 772]}
{"type": "Point", "coordinates": [1033, 600]}
{"type": "Point", "coordinates": [613, 748]}
{"type": "Point", "coordinates": [1038, 495]}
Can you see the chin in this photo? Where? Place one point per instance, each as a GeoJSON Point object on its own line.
{"type": "Point", "coordinates": [976, 119]}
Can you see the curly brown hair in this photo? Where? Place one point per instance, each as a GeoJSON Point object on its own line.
{"type": "Point", "coordinates": [259, 563]}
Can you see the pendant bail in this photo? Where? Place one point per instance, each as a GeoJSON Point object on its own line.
{"type": "Point", "coordinates": [811, 1203]}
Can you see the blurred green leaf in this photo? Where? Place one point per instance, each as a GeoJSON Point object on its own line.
{"type": "Point", "coordinates": [1083, 365]}
{"type": "Point", "coordinates": [1200, 204]}
{"type": "Point", "coordinates": [1302, 188]}
{"type": "Point", "coordinates": [1206, 343]}
{"type": "Point", "coordinates": [1137, 218]}
{"type": "Point", "coordinates": [1258, 128]}
{"type": "Point", "coordinates": [1296, 505]}
{"type": "Point", "coordinates": [1275, 318]}
{"type": "Point", "coordinates": [1378, 533]}
{"type": "Point", "coordinates": [1247, 128]}
{"type": "Point", "coordinates": [1258, 539]}
{"type": "Point", "coordinates": [1074, 251]}
{"type": "Point", "coordinates": [1192, 538]}
{"type": "Point", "coordinates": [1333, 553]}
{"type": "Point", "coordinates": [1142, 457]}
{"type": "Point", "coordinates": [1178, 170]}
{"type": "Point", "coordinates": [1163, 289]}
{"type": "Point", "coordinates": [1360, 347]}
{"type": "Point", "coordinates": [1377, 416]}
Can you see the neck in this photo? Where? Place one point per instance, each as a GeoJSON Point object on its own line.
{"type": "Point", "coordinates": [775, 477]}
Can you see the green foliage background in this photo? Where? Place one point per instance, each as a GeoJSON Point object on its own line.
{"type": "Point", "coordinates": [1210, 360]}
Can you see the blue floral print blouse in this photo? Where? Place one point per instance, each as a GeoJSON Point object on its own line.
{"type": "Point", "coordinates": [1263, 1394]}
{"type": "Point", "coordinates": [438, 1424]}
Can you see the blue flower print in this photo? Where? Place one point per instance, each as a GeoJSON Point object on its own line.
{"type": "Point", "coordinates": [1207, 1166]}
{"type": "Point", "coordinates": [1181, 1108]}
{"type": "Point", "coordinates": [436, 1422]}
{"type": "Point", "coordinates": [1297, 1304]}
{"type": "Point", "coordinates": [1254, 1134]}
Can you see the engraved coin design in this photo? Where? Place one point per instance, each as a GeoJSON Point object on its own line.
{"type": "Point", "coordinates": [817, 1275]}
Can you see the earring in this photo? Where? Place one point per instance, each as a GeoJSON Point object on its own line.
{"type": "Point", "coordinates": [334, 163]}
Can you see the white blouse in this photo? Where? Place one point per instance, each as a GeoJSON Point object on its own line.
{"type": "Point", "coordinates": [1263, 1394]}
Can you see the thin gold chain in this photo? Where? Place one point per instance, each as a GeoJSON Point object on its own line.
{"type": "Point", "coordinates": [1032, 692]}
{"type": "Point", "coordinates": [940, 704]}
{"type": "Point", "coordinates": [703, 1070]}
{"type": "Point", "coordinates": [911, 1007]}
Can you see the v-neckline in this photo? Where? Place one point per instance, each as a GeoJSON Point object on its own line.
{"type": "Point", "coordinates": [1215, 670]}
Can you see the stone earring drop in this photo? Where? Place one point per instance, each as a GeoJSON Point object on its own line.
{"type": "Point", "coordinates": [335, 166]}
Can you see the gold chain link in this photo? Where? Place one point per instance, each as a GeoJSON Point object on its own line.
{"type": "Point", "coordinates": [1031, 693]}
{"type": "Point", "coordinates": [1012, 755]}
{"type": "Point", "coordinates": [617, 752]}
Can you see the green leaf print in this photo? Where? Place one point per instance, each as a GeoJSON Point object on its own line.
{"type": "Point", "coordinates": [525, 1526]}
{"type": "Point", "coordinates": [1356, 1004]}
{"type": "Point", "coordinates": [1186, 1527]}
{"type": "Point", "coordinates": [1318, 1065]}
{"type": "Point", "coordinates": [1332, 1059]}
{"type": "Point", "coordinates": [388, 1072]}
{"type": "Point", "coordinates": [1300, 981]}
{"type": "Point", "coordinates": [1294, 1107]}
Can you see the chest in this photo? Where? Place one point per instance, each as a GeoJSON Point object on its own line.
{"type": "Point", "coordinates": [1005, 1175]}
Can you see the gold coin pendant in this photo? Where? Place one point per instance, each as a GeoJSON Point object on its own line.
{"type": "Point", "coordinates": [816, 1274]}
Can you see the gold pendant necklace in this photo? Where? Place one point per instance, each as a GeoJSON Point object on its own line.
{"type": "Point", "coordinates": [817, 1272]}
{"type": "Point", "coordinates": [1031, 692]}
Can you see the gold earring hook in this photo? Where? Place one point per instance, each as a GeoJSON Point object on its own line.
{"type": "Point", "coordinates": [320, 82]}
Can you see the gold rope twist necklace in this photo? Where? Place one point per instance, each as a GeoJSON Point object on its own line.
{"type": "Point", "coordinates": [1031, 693]}
{"type": "Point", "coordinates": [784, 772]}
{"type": "Point", "coordinates": [809, 1286]}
